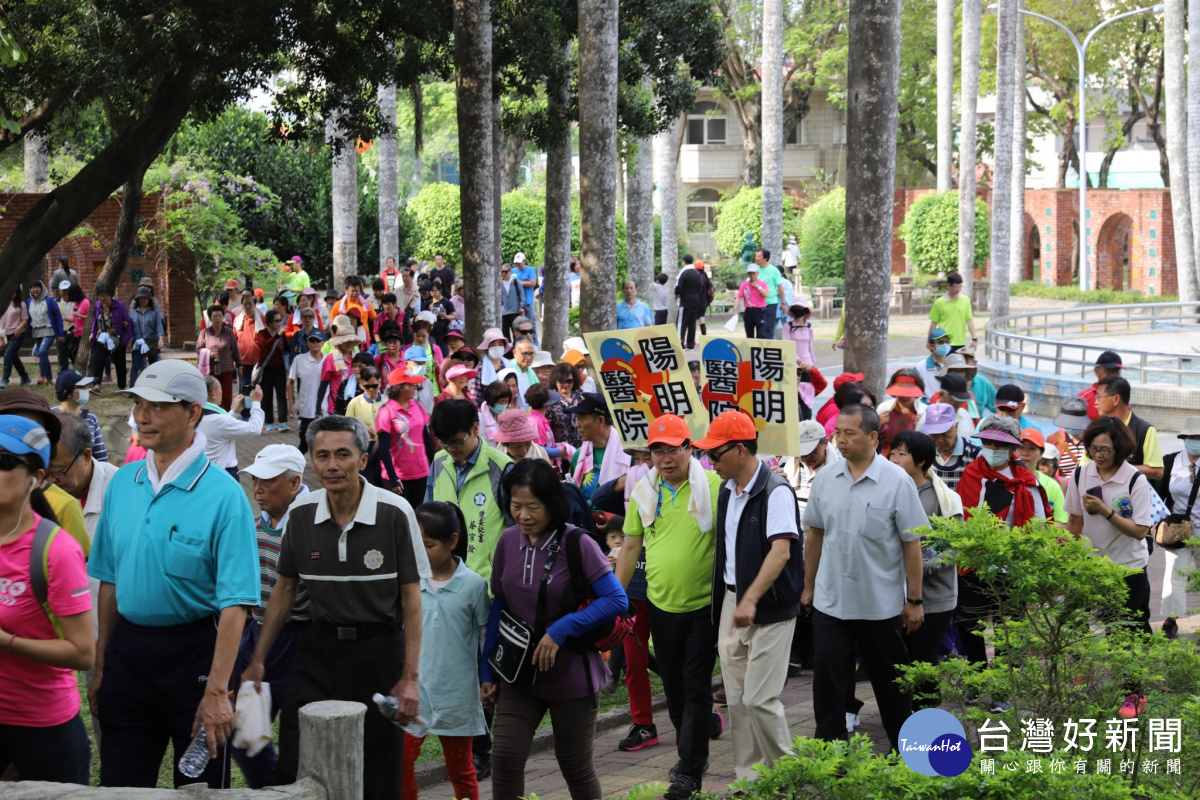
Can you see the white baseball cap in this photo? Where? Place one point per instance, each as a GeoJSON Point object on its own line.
{"type": "Point", "coordinates": [519, 258]}
{"type": "Point", "coordinates": [1051, 451]}
{"type": "Point", "coordinates": [64, 285]}
{"type": "Point", "coordinates": [274, 460]}
{"type": "Point", "coordinates": [171, 380]}
{"type": "Point", "coordinates": [812, 433]}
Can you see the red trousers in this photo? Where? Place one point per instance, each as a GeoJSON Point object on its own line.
{"type": "Point", "coordinates": [637, 672]}
{"type": "Point", "coordinates": [460, 767]}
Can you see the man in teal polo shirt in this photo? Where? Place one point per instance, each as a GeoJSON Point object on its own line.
{"type": "Point", "coordinates": [769, 274]}
{"type": "Point", "coordinates": [177, 562]}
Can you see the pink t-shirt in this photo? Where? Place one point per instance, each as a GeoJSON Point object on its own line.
{"type": "Point", "coordinates": [752, 294]}
{"type": "Point", "coordinates": [336, 377]}
{"type": "Point", "coordinates": [407, 429]}
{"type": "Point", "coordinates": [545, 435]}
{"type": "Point", "coordinates": [81, 315]}
{"type": "Point", "coordinates": [34, 695]}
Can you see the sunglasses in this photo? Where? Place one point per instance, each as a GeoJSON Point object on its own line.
{"type": "Point", "coordinates": [9, 462]}
{"type": "Point", "coordinates": [526, 332]}
{"type": "Point", "coordinates": [370, 385]}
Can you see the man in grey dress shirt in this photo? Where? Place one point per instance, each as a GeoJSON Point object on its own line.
{"type": "Point", "coordinates": [858, 554]}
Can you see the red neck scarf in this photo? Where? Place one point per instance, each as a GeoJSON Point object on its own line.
{"type": "Point", "coordinates": [1021, 485]}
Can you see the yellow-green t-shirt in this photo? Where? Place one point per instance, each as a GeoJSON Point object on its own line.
{"type": "Point", "coordinates": [1055, 494]}
{"type": "Point", "coordinates": [679, 557]}
{"type": "Point", "coordinates": [951, 316]}
{"type": "Point", "coordinates": [70, 516]}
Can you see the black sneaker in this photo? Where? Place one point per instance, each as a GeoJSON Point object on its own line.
{"type": "Point", "coordinates": [483, 766]}
{"type": "Point", "coordinates": [1170, 627]}
{"type": "Point", "coordinates": [639, 736]}
{"type": "Point", "coordinates": [674, 772]}
{"type": "Point", "coordinates": [683, 787]}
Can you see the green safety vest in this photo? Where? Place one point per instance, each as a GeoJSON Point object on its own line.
{"type": "Point", "coordinates": [477, 500]}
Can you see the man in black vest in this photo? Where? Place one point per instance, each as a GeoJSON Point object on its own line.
{"type": "Point", "coordinates": [758, 577]}
{"type": "Point", "coordinates": [1112, 399]}
{"type": "Point", "coordinates": [689, 288]}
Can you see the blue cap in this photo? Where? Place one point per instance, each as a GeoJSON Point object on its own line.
{"type": "Point", "coordinates": [19, 435]}
{"type": "Point", "coordinates": [416, 353]}
{"type": "Point", "coordinates": [937, 333]}
{"type": "Point", "coordinates": [316, 333]}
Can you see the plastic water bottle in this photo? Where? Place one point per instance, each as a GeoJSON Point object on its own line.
{"type": "Point", "coordinates": [388, 705]}
{"type": "Point", "coordinates": [195, 758]}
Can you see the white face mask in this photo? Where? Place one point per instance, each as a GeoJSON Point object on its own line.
{"type": "Point", "coordinates": [416, 369]}
{"type": "Point", "coordinates": [495, 352]}
{"type": "Point", "coordinates": [996, 458]}
{"type": "Point", "coordinates": [84, 396]}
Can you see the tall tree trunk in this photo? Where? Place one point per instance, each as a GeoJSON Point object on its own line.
{"type": "Point", "coordinates": [1193, 115]}
{"type": "Point", "coordinates": [598, 164]}
{"type": "Point", "coordinates": [1019, 156]}
{"type": "Point", "coordinates": [772, 128]}
{"type": "Point", "coordinates": [945, 95]}
{"type": "Point", "coordinates": [118, 254]}
{"type": "Point", "coordinates": [37, 161]}
{"type": "Point", "coordinates": [972, 21]}
{"type": "Point", "coordinates": [514, 147]}
{"type": "Point", "coordinates": [872, 96]}
{"type": "Point", "coordinates": [498, 194]}
{"type": "Point", "coordinates": [473, 91]}
{"type": "Point", "coordinates": [666, 169]}
{"type": "Point", "coordinates": [63, 208]}
{"type": "Point", "coordinates": [1006, 44]}
{"type": "Point", "coordinates": [1177, 155]}
{"type": "Point", "coordinates": [389, 179]}
{"type": "Point", "coordinates": [639, 212]}
{"type": "Point", "coordinates": [559, 172]}
{"type": "Point", "coordinates": [345, 201]}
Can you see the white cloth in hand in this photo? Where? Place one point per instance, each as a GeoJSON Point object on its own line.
{"type": "Point", "coordinates": [252, 718]}
{"type": "Point", "coordinates": [106, 340]}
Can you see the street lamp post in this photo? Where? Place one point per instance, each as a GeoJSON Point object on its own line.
{"type": "Point", "coordinates": [1081, 51]}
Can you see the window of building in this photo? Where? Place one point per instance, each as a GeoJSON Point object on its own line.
{"type": "Point", "coordinates": [702, 210]}
{"type": "Point", "coordinates": [798, 134]}
{"type": "Point", "coordinates": [706, 124]}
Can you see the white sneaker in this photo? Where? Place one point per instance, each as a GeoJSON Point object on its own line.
{"type": "Point", "coordinates": [852, 722]}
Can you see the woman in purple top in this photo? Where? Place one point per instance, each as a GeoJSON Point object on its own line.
{"type": "Point", "coordinates": [110, 317]}
{"type": "Point", "coordinates": [567, 677]}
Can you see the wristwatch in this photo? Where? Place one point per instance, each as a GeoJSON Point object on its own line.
{"type": "Point", "coordinates": [917, 602]}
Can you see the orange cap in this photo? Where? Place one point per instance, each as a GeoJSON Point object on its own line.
{"type": "Point", "coordinates": [668, 429]}
{"type": "Point", "coordinates": [734, 425]}
{"type": "Point", "coordinates": [1035, 436]}
{"type": "Point", "coordinates": [574, 358]}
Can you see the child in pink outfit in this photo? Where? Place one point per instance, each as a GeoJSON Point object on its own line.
{"type": "Point", "coordinates": [799, 330]}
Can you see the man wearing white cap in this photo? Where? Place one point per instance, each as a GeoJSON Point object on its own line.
{"type": "Point", "coordinates": [277, 472]}
{"type": "Point", "coordinates": [175, 556]}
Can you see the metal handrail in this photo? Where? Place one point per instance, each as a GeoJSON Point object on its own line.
{"type": "Point", "coordinates": [1023, 340]}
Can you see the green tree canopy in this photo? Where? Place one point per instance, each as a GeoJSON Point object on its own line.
{"type": "Point", "coordinates": [741, 212]}
{"type": "Point", "coordinates": [823, 239]}
{"type": "Point", "coordinates": [930, 233]}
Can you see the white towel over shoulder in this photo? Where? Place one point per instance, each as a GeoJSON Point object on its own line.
{"type": "Point", "coordinates": [252, 718]}
{"type": "Point", "coordinates": [699, 504]}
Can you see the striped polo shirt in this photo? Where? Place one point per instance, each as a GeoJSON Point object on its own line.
{"type": "Point", "coordinates": [268, 561]}
{"type": "Point", "coordinates": [354, 574]}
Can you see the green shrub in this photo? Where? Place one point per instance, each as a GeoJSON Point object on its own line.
{"type": "Point", "coordinates": [728, 277]}
{"type": "Point", "coordinates": [522, 218]}
{"type": "Point", "coordinates": [1093, 296]}
{"type": "Point", "coordinates": [823, 239]}
{"type": "Point", "coordinates": [930, 233]}
{"type": "Point", "coordinates": [436, 212]}
{"type": "Point", "coordinates": [741, 213]}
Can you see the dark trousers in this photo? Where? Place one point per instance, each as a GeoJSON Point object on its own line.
{"type": "Point", "coordinates": [414, 490]}
{"type": "Point", "coordinates": [882, 645]}
{"type": "Point", "coordinates": [102, 357]}
{"type": "Point", "coordinates": [303, 445]}
{"type": "Point", "coordinates": [274, 382]}
{"type": "Point", "coordinates": [327, 668]}
{"type": "Point", "coordinates": [506, 321]}
{"type": "Point", "coordinates": [802, 642]}
{"type": "Point", "coordinates": [518, 714]}
{"type": "Point", "coordinates": [756, 323]}
{"type": "Point", "coordinates": [154, 680]}
{"type": "Point", "coordinates": [1137, 605]}
{"type": "Point", "coordinates": [686, 647]}
{"type": "Point", "coordinates": [975, 606]}
{"type": "Point", "coordinates": [244, 387]}
{"type": "Point", "coordinates": [687, 325]}
{"type": "Point", "coordinates": [59, 753]}
{"type": "Point", "coordinates": [260, 769]}
{"type": "Point", "coordinates": [925, 645]}
{"type": "Point", "coordinates": [66, 352]}
{"type": "Point", "coordinates": [12, 358]}
{"type": "Point", "coordinates": [226, 381]}
{"type": "Point", "coordinates": [660, 317]}
{"type": "Point", "coordinates": [770, 317]}
{"type": "Point", "coordinates": [141, 361]}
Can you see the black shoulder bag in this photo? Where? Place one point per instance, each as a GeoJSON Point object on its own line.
{"type": "Point", "coordinates": [512, 656]}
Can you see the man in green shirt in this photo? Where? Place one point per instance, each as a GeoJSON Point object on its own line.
{"type": "Point", "coordinates": [297, 280]}
{"type": "Point", "coordinates": [769, 274]}
{"type": "Point", "coordinates": [672, 512]}
{"type": "Point", "coordinates": [953, 313]}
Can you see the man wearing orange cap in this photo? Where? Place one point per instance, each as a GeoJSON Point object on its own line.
{"type": "Point", "coordinates": [756, 588]}
{"type": "Point", "coordinates": [672, 511]}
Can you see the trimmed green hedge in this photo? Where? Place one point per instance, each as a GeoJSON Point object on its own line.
{"type": "Point", "coordinates": [522, 218]}
{"type": "Point", "coordinates": [439, 229]}
{"type": "Point", "coordinates": [930, 233]}
{"type": "Point", "coordinates": [741, 213]}
{"type": "Point", "coordinates": [823, 239]}
{"type": "Point", "coordinates": [1093, 296]}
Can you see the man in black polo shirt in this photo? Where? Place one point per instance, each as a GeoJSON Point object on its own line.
{"type": "Point", "coordinates": [359, 551]}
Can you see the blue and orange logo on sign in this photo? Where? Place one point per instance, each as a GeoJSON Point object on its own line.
{"type": "Point", "coordinates": [933, 742]}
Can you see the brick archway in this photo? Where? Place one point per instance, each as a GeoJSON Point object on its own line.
{"type": "Point", "coordinates": [1033, 256]}
{"type": "Point", "coordinates": [1114, 252]}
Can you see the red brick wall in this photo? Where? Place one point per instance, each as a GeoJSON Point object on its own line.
{"type": "Point", "coordinates": [173, 276]}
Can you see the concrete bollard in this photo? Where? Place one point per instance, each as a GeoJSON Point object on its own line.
{"type": "Point", "coordinates": [331, 747]}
